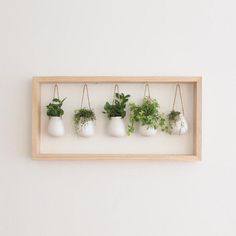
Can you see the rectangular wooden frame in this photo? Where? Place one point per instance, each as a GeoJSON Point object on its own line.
{"type": "Point", "coordinates": [36, 103]}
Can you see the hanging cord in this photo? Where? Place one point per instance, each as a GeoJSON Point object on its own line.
{"type": "Point", "coordinates": [85, 88]}
{"type": "Point", "coordinates": [56, 92]}
{"type": "Point", "coordinates": [181, 99]}
{"type": "Point", "coordinates": [116, 90]}
{"type": "Point", "coordinates": [147, 90]}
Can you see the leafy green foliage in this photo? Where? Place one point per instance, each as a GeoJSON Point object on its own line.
{"type": "Point", "coordinates": [147, 114]}
{"type": "Point", "coordinates": [118, 107]}
{"type": "Point", "coordinates": [54, 109]}
{"type": "Point", "coordinates": [172, 117]}
{"type": "Point", "coordinates": [83, 115]}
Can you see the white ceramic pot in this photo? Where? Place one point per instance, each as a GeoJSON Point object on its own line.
{"type": "Point", "coordinates": [116, 127]}
{"type": "Point", "coordinates": [181, 126]}
{"type": "Point", "coordinates": [56, 127]}
{"type": "Point", "coordinates": [86, 130]}
{"type": "Point", "coordinates": [147, 131]}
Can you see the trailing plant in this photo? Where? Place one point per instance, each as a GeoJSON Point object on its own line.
{"type": "Point", "coordinates": [118, 106]}
{"type": "Point", "coordinates": [172, 117]}
{"type": "Point", "coordinates": [83, 115]}
{"type": "Point", "coordinates": [54, 109]}
{"type": "Point", "coordinates": [147, 114]}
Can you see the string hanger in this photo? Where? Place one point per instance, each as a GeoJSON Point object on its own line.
{"type": "Point", "coordinates": [116, 90]}
{"type": "Point", "coordinates": [85, 89]}
{"type": "Point", "coordinates": [56, 92]}
{"type": "Point", "coordinates": [178, 88]}
{"type": "Point", "coordinates": [147, 90]}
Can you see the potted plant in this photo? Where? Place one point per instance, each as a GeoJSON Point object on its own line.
{"type": "Point", "coordinates": [148, 116]}
{"type": "Point", "coordinates": [177, 123]}
{"type": "Point", "coordinates": [84, 118]}
{"type": "Point", "coordinates": [84, 122]}
{"type": "Point", "coordinates": [55, 113]}
{"type": "Point", "coordinates": [116, 113]}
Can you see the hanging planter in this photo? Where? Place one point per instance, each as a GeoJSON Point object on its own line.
{"type": "Point", "coordinates": [84, 118]}
{"type": "Point", "coordinates": [177, 122]}
{"type": "Point", "coordinates": [116, 113]}
{"type": "Point", "coordinates": [147, 115]}
{"type": "Point", "coordinates": [55, 113]}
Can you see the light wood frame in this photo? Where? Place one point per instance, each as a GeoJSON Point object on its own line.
{"type": "Point", "coordinates": [36, 107]}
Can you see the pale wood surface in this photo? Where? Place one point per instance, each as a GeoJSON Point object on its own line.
{"type": "Point", "coordinates": [198, 134]}
{"type": "Point", "coordinates": [36, 98]}
{"type": "Point", "coordinates": [116, 79]}
{"type": "Point", "coordinates": [50, 156]}
{"type": "Point", "coordinates": [35, 117]}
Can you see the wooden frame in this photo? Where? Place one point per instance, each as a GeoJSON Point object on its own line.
{"type": "Point", "coordinates": [36, 103]}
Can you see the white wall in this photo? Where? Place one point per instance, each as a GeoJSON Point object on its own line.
{"type": "Point", "coordinates": [125, 37]}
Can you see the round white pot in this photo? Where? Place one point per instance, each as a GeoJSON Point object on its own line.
{"type": "Point", "coordinates": [86, 130]}
{"type": "Point", "coordinates": [181, 126]}
{"type": "Point", "coordinates": [116, 127]}
{"type": "Point", "coordinates": [147, 131]}
{"type": "Point", "coordinates": [56, 127]}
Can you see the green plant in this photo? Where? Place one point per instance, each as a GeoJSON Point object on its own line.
{"type": "Point", "coordinates": [172, 117]}
{"type": "Point", "coordinates": [118, 107]}
{"type": "Point", "coordinates": [54, 109]}
{"type": "Point", "coordinates": [83, 115]}
{"type": "Point", "coordinates": [147, 114]}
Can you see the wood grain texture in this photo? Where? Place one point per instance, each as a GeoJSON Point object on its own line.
{"type": "Point", "coordinates": [36, 100]}
{"type": "Point", "coordinates": [35, 118]}
{"type": "Point", "coordinates": [198, 134]}
{"type": "Point", "coordinates": [116, 79]}
{"type": "Point", "coordinates": [49, 156]}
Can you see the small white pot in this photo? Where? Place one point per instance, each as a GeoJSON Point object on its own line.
{"type": "Point", "coordinates": [86, 130]}
{"type": "Point", "coordinates": [56, 127]}
{"type": "Point", "coordinates": [147, 131]}
{"type": "Point", "coordinates": [116, 127]}
{"type": "Point", "coordinates": [181, 126]}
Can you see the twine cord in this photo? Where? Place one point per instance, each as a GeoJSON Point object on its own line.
{"type": "Point", "coordinates": [116, 90]}
{"type": "Point", "coordinates": [147, 90]}
{"type": "Point", "coordinates": [178, 88]}
{"type": "Point", "coordinates": [56, 92]}
{"type": "Point", "coordinates": [85, 89]}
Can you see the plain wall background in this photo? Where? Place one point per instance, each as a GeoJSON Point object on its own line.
{"type": "Point", "coordinates": [125, 37]}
